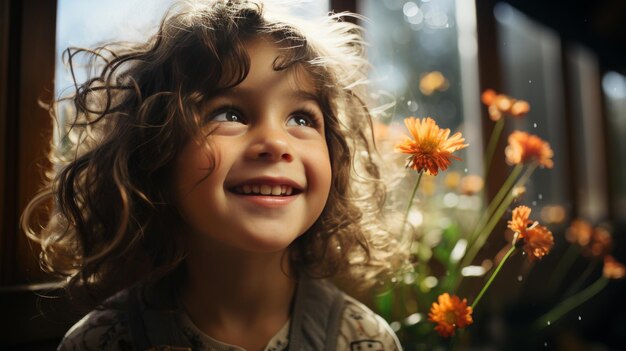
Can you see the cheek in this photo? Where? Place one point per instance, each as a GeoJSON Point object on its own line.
{"type": "Point", "coordinates": [193, 169]}
{"type": "Point", "coordinates": [322, 175]}
{"type": "Point", "coordinates": [328, 177]}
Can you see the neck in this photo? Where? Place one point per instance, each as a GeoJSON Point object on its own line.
{"type": "Point", "coordinates": [229, 291]}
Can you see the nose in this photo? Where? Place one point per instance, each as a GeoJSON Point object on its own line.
{"type": "Point", "coordinates": [270, 143]}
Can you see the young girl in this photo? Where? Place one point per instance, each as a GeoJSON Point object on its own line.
{"type": "Point", "coordinates": [211, 178]}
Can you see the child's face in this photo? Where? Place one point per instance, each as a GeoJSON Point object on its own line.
{"type": "Point", "coordinates": [269, 137]}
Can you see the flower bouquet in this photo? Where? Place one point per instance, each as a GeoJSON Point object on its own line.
{"type": "Point", "coordinates": [435, 299]}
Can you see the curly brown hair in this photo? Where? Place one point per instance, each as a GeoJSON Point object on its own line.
{"type": "Point", "coordinates": [113, 221]}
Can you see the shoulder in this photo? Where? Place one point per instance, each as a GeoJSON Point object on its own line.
{"type": "Point", "coordinates": [99, 330]}
{"type": "Point", "coordinates": [363, 330]}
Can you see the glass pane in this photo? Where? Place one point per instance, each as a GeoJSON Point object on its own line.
{"type": "Point", "coordinates": [614, 89]}
{"type": "Point", "coordinates": [89, 23]}
{"type": "Point", "coordinates": [531, 65]}
{"type": "Point", "coordinates": [424, 61]}
{"type": "Point", "coordinates": [589, 148]}
{"type": "Point", "coordinates": [409, 40]}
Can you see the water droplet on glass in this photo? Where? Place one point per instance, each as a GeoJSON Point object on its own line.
{"type": "Point", "coordinates": [545, 344]}
{"type": "Point", "coordinates": [412, 105]}
{"type": "Point", "coordinates": [548, 322]}
{"type": "Point", "coordinates": [520, 278]}
{"type": "Point", "coordinates": [534, 203]}
{"type": "Point", "coordinates": [530, 81]}
{"type": "Point", "coordinates": [465, 170]}
{"type": "Point", "coordinates": [580, 318]}
{"type": "Point", "coordinates": [534, 125]}
{"type": "Point", "coordinates": [540, 196]}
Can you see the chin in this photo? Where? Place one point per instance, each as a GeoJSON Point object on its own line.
{"type": "Point", "coordinates": [269, 240]}
{"type": "Point", "coordinates": [267, 245]}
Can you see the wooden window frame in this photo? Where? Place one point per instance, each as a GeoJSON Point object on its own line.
{"type": "Point", "coordinates": [27, 60]}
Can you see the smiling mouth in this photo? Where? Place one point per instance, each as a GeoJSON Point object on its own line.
{"type": "Point", "coordinates": [265, 190]}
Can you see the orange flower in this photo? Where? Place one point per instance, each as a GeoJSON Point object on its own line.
{"type": "Point", "coordinates": [432, 81]}
{"type": "Point", "coordinates": [579, 232]}
{"type": "Point", "coordinates": [537, 239]}
{"type": "Point", "coordinates": [452, 180]}
{"type": "Point", "coordinates": [488, 97]}
{"type": "Point", "coordinates": [524, 148]}
{"type": "Point", "coordinates": [499, 104]}
{"type": "Point", "coordinates": [594, 241]}
{"type": "Point", "coordinates": [519, 108]}
{"type": "Point", "coordinates": [601, 242]}
{"type": "Point", "coordinates": [430, 148]}
{"type": "Point", "coordinates": [518, 191]}
{"type": "Point", "coordinates": [449, 314]}
{"type": "Point", "coordinates": [612, 268]}
{"type": "Point", "coordinates": [471, 184]}
{"type": "Point", "coordinates": [519, 221]}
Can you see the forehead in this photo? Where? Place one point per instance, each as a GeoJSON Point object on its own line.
{"type": "Point", "coordinates": [268, 68]}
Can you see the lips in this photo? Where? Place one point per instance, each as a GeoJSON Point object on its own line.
{"type": "Point", "coordinates": [264, 189]}
{"type": "Point", "coordinates": [267, 187]}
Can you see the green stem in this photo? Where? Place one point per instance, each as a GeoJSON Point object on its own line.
{"type": "Point", "coordinates": [571, 303]}
{"type": "Point", "coordinates": [482, 292]}
{"type": "Point", "coordinates": [493, 221]}
{"type": "Point", "coordinates": [582, 278]}
{"type": "Point", "coordinates": [412, 237]}
{"type": "Point", "coordinates": [565, 262]}
{"type": "Point", "coordinates": [493, 142]}
{"type": "Point", "coordinates": [495, 202]}
{"type": "Point", "coordinates": [408, 208]}
{"type": "Point", "coordinates": [454, 340]}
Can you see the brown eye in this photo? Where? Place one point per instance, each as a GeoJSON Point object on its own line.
{"type": "Point", "coordinates": [228, 115]}
{"type": "Point", "coordinates": [301, 119]}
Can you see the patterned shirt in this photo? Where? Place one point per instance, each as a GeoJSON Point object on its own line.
{"type": "Point", "coordinates": [361, 330]}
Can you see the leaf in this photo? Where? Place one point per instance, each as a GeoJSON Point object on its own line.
{"type": "Point", "coordinates": [448, 241]}
{"type": "Point", "coordinates": [384, 303]}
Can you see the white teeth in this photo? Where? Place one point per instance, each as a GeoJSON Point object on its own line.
{"type": "Point", "coordinates": [266, 189]}
{"type": "Point", "coordinates": [276, 190]}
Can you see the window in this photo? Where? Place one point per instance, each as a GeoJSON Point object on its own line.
{"type": "Point", "coordinates": [614, 92]}
{"type": "Point", "coordinates": [531, 70]}
{"type": "Point", "coordinates": [412, 41]}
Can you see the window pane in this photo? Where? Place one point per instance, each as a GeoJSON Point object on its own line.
{"type": "Point", "coordinates": [424, 58]}
{"type": "Point", "coordinates": [89, 23]}
{"type": "Point", "coordinates": [588, 134]}
{"type": "Point", "coordinates": [531, 64]}
{"type": "Point", "coordinates": [614, 89]}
